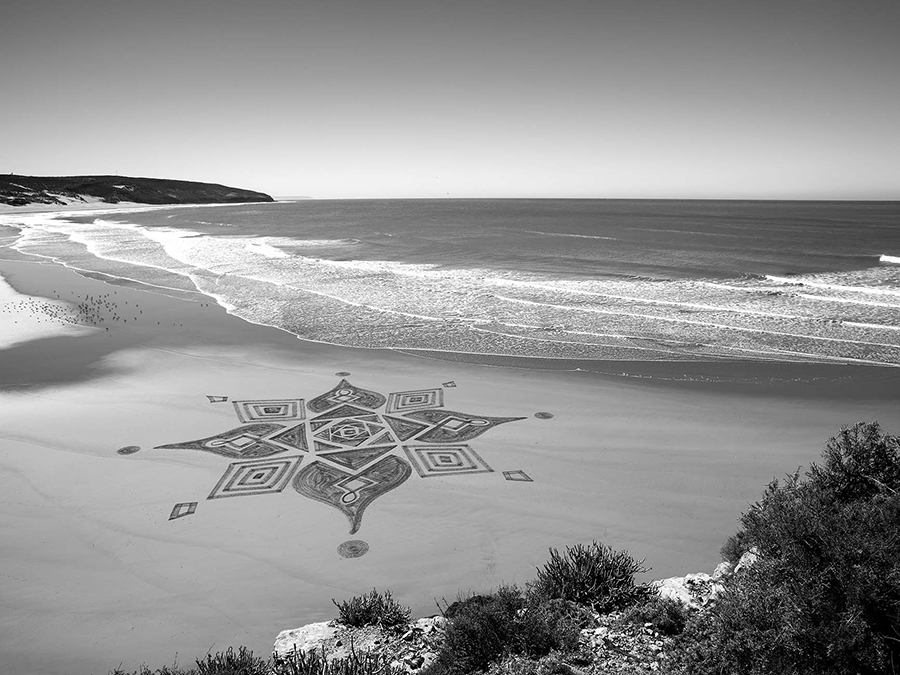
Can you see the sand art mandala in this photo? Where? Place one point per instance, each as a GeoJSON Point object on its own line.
{"type": "Point", "coordinates": [356, 445]}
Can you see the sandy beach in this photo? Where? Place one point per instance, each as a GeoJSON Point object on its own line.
{"type": "Point", "coordinates": [95, 574]}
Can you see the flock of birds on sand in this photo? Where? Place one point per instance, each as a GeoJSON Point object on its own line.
{"type": "Point", "coordinates": [86, 310]}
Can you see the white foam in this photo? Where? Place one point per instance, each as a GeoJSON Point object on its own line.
{"type": "Point", "coordinates": [565, 234]}
{"type": "Point", "coordinates": [262, 247]}
{"type": "Point", "coordinates": [803, 281]}
{"type": "Point", "coordinates": [893, 259]}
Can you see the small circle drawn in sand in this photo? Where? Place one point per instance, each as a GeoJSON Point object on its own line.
{"type": "Point", "coordinates": [128, 449]}
{"type": "Point", "coordinates": [354, 548]}
{"type": "Point", "coordinates": [543, 415]}
{"type": "Point", "coordinates": [342, 373]}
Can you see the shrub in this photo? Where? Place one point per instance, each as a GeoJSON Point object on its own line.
{"type": "Point", "coordinates": [734, 547]}
{"type": "Point", "coordinates": [593, 575]}
{"type": "Point", "coordinates": [667, 616]}
{"type": "Point", "coordinates": [374, 609]}
{"type": "Point", "coordinates": [824, 596]}
{"type": "Point", "coordinates": [483, 628]}
{"type": "Point", "coordinates": [230, 662]}
{"type": "Point", "coordinates": [315, 663]}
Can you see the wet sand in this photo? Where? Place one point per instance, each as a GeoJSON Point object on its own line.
{"type": "Point", "coordinates": [94, 573]}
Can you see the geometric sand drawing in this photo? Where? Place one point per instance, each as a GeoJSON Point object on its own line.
{"type": "Point", "coordinates": [276, 410]}
{"type": "Point", "coordinates": [258, 476]}
{"type": "Point", "coordinates": [543, 415]}
{"type": "Point", "coordinates": [353, 548]}
{"type": "Point", "coordinates": [405, 429]}
{"type": "Point", "coordinates": [358, 458]}
{"type": "Point", "coordinates": [351, 493]}
{"type": "Point", "coordinates": [294, 438]}
{"type": "Point", "coordinates": [453, 427]}
{"type": "Point", "coordinates": [353, 432]}
{"type": "Point", "coordinates": [217, 399]}
{"type": "Point", "coordinates": [345, 392]}
{"type": "Point", "coordinates": [183, 509]}
{"type": "Point", "coordinates": [403, 401]}
{"type": "Point", "coordinates": [443, 460]}
{"type": "Point", "coordinates": [243, 442]}
{"type": "Point", "coordinates": [129, 450]}
{"type": "Point", "coordinates": [358, 445]}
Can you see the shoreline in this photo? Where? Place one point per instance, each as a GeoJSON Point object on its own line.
{"type": "Point", "coordinates": [662, 470]}
{"type": "Point", "coordinates": [762, 376]}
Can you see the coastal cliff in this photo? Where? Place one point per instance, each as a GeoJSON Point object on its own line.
{"type": "Point", "coordinates": [16, 190]}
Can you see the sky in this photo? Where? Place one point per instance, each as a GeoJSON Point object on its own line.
{"type": "Point", "coordinates": [460, 98]}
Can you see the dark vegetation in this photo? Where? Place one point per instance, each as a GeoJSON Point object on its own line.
{"type": "Point", "coordinates": [823, 596]}
{"type": "Point", "coordinates": [374, 609]}
{"type": "Point", "coordinates": [18, 190]}
{"type": "Point", "coordinates": [594, 575]}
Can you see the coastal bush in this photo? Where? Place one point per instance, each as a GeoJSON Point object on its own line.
{"type": "Point", "coordinates": [373, 609]}
{"type": "Point", "coordinates": [824, 595]}
{"type": "Point", "coordinates": [667, 616]}
{"type": "Point", "coordinates": [316, 663]}
{"type": "Point", "coordinates": [734, 547]}
{"type": "Point", "coordinates": [593, 575]}
{"type": "Point", "coordinates": [484, 628]}
{"type": "Point", "coordinates": [229, 662]}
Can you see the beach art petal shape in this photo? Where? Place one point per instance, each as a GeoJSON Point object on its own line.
{"type": "Point", "coordinates": [351, 493]}
{"type": "Point", "coordinates": [244, 442]}
{"type": "Point", "coordinates": [344, 393]}
{"type": "Point", "coordinates": [455, 427]}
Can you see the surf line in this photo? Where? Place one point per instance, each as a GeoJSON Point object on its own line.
{"type": "Point", "coordinates": [706, 324]}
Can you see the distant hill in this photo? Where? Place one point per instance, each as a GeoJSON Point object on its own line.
{"type": "Point", "coordinates": [18, 190]}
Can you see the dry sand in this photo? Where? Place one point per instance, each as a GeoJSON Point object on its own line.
{"type": "Point", "coordinates": [93, 574]}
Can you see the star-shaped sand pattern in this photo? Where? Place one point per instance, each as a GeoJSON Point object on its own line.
{"type": "Point", "coordinates": [346, 447]}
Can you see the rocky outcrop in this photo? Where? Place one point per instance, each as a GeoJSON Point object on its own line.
{"type": "Point", "coordinates": [412, 647]}
{"type": "Point", "coordinates": [698, 590]}
{"type": "Point", "coordinates": [615, 644]}
{"type": "Point", "coordinates": [16, 190]}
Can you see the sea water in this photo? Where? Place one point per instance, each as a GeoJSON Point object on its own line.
{"type": "Point", "coordinates": [562, 279]}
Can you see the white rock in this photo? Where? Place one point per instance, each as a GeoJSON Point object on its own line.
{"type": "Point", "coordinates": [722, 569]}
{"type": "Point", "coordinates": [748, 559]}
{"type": "Point", "coordinates": [303, 639]}
{"type": "Point", "coordinates": [692, 590]}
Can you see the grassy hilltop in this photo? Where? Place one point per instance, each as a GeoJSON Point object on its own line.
{"type": "Point", "coordinates": [16, 190]}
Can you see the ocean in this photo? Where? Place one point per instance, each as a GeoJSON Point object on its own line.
{"type": "Point", "coordinates": [636, 280]}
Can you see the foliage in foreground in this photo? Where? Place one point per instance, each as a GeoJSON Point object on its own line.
{"type": "Point", "coordinates": [824, 596]}
{"type": "Point", "coordinates": [665, 615]}
{"type": "Point", "coordinates": [316, 663]}
{"type": "Point", "coordinates": [229, 662]}
{"type": "Point", "coordinates": [373, 609]}
{"type": "Point", "coordinates": [483, 628]}
{"type": "Point", "coordinates": [595, 575]}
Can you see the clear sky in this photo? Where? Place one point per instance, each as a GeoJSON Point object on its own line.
{"type": "Point", "coordinates": [460, 98]}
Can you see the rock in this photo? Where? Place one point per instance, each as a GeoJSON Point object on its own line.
{"type": "Point", "coordinates": [310, 637]}
{"type": "Point", "coordinates": [747, 560]}
{"type": "Point", "coordinates": [722, 569]}
{"type": "Point", "coordinates": [691, 590]}
{"type": "Point", "coordinates": [415, 662]}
